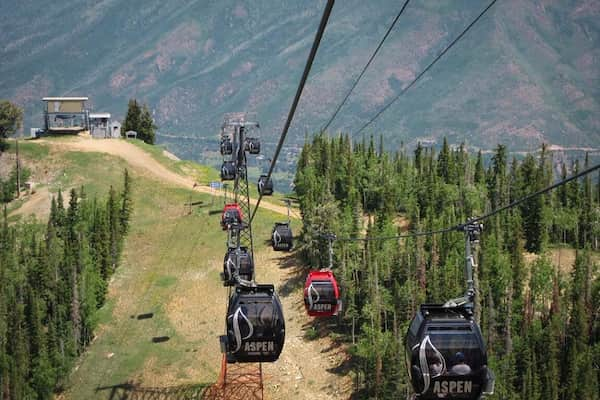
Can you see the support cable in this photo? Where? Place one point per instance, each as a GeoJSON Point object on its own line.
{"type": "Point", "coordinates": [307, 67]}
{"type": "Point", "coordinates": [339, 107]}
{"type": "Point", "coordinates": [425, 70]}
{"type": "Point", "coordinates": [461, 227]}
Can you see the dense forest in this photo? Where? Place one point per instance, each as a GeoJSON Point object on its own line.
{"type": "Point", "coordinates": [54, 278]}
{"type": "Point", "coordinates": [541, 323]}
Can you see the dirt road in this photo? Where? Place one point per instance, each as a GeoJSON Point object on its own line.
{"type": "Point", "coordinates": [144, 163]}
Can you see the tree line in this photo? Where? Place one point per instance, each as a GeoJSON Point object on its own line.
{"type": "Point", "coordinates": [54, 279]}
{"type": "Point", "coordinates": [541, 324]}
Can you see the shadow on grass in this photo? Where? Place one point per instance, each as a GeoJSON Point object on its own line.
{"type": "Point", "coordinates": [202, 391]}
{"type": "Point", "coordinates": [160, 339]}
{"type": "Point", "coordinates": [323, 327]}
{"type": "Point", "coordinates": [145, 315]}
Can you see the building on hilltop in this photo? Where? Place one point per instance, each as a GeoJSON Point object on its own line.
{"type": "Point", "coordinates": [65, 114]}
{"type": "Point", "coordinates": [102, 126]}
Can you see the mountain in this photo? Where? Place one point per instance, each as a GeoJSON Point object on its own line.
{"type": "Point", "coordinates": [528, 72]}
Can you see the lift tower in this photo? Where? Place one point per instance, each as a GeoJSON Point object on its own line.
{"type": "Point", "coordinates": [235, 129]}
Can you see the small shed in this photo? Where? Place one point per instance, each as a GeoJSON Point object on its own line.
{"type": "Point", "coordinates": [115, 129]}
{"type": "Point", "coordinates": [100, 125]}
{"type": "Point", "coordinates": [131, 135]}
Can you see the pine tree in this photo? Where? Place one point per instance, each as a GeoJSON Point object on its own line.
{"type": "Point", "coordinates": [443, 162]}
{"type": "Point", "coordinates": [112, 213]}
{"type": "Point", "coordinates": [132, 118]}
{"type": "Point", "coordinates": [126, 204]}
{"type": "Point", "coordinates": [146, 127]}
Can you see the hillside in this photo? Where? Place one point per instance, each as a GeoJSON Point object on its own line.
{"type": "Point", "coordinates": [527, 73]}
{"type": "Point", "coordinates": [158, 331]}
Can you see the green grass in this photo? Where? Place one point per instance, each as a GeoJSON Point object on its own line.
{"type": "Point", "coordinates": [97, 172]}
{"type": "Point", "coordinates": [166, 281]}
{"type": "Point", "coordinates": [29, 149]}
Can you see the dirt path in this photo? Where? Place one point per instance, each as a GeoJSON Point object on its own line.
{"type": "Point", "coordinates": [306, 369]}
{"type": "Point", "coordinates": [143, 161]}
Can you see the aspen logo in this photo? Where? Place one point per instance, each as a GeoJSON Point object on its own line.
{"type": "Point", "coordinates": [262, 347]}
{"type": "Point", "coordinates": [276, 238]}
{"type": "Point", "coordinates": [230, 266]}
{"type": "Point", "coordinates": [313, 301]}
{"type": "Point", "coordinates": [452, 387]}
{"type": "Point", "coordinates": [237, 316]}
{"type": "Point", "coordinates": [320, 307]}
{"type": "Point", "coordinates": [431, 362]}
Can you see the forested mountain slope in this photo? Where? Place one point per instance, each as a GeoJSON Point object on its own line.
{"type": "Point", "coordinates": [533, 308]}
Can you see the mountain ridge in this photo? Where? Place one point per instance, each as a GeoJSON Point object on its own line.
{"type": "Point", "coordinates": [526, 73]}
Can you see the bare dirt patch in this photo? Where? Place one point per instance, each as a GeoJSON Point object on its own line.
{"type": "Point", "coordinates": [37, 203]}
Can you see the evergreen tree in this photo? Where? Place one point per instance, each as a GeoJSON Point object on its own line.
{"type": "Point", "coordinates": [49, 296]}
{"type": "Point", "coordinates": [126, 204]}
{"type": "Point", "coordinates": [132, 118]}
{"type": "Point", "coordinates": [146, 127]}
{"type": "Point", "coordinates": [443, 162]}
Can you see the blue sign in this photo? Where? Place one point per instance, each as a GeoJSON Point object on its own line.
{"type": "Point", "coordinates": [215, 185]}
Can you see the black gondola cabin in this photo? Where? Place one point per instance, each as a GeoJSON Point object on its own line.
{"type": "Point", "coordinates": [255, 325]}
{"type": "Point", "coordinates": [446, 354]}
{"type": "Point", "coordinates": [252, 145]}
{"type": "Point", "coordinates": [226, 146]}
{"type": "Point", "coordinates": [228, 170]}
{"type": "Point", "coordinates": [265, 186]}
{"type": "Point", "coordinates": [230, 263]}
{"type": "Point", "coordinates": [281, 237]}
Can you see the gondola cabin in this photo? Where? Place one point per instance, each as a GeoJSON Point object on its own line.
{"type": "Point", "coordinates": [255, 325]}
{"type": "Point", "coordinates": [252, 145]}
{"type": "Point", "coordinates": [446, 354]}
{"type": "Point", "coordinates": [321, 294]}
{"type": "Point", "coordinates": [265, 186]}
{"type": "Point", "coordinates": [230, 266]}
{"type": "Point", "coordinates": [228, 170]}
{"type": "Point", "coordinates": [226, 146]}
{"type": "Point", "coordinates": [281, 237]}
{"type": "Point", "coordinates": [232, 214]}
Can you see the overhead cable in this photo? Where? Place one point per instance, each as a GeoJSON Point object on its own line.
{"type": "Point", "coordinates": [425, 70]}
{"type": "Point", "coordinates": [307, 67]}
{"type": "Point", "coordinates": [337, 110]}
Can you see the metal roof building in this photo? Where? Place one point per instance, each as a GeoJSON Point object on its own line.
{"type": "Point", "coordinates": [65, 114]}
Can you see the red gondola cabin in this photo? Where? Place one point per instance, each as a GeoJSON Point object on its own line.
{"type": "Point", "coordinates": [321, 294]}
{"type": "Point", "coordinates": [232, 214]}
